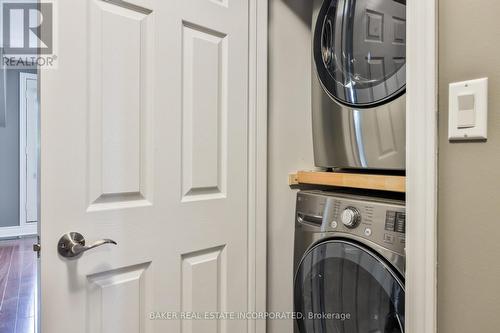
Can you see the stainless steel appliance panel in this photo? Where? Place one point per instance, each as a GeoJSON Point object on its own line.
{"type": "Point", "coordinates": [358, 84]}
{"type": "Point", "coordinates": [349, 261]}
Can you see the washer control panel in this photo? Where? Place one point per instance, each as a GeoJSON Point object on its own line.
{"type": "Point", "coordinates": [378, 220]}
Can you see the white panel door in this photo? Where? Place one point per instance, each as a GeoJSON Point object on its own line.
{"type": "Point", "coordinates": [144, 141]}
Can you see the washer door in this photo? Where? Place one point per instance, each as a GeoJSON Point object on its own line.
{"type": "Point", "coordinates": [342, 287]}
{"type": "Point", "coordinates": [359, 50]}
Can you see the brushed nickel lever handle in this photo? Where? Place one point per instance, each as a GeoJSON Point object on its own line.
{"type": "Point", "coordinates": [72, 244]}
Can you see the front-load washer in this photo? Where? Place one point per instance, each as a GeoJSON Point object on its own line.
{"type": "Point", "coordinates": [349, 264]}
{"type": "Point", "coordinates": [358, 84]}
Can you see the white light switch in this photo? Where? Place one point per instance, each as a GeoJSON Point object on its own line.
{"type": "Point", "coordinates": [468, 110]}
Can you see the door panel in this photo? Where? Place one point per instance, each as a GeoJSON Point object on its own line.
{"type": "Point", "coordinates": [144, 141]}
{"type": "Point", "coordinates": [126, 288]}
{"type": "Point", "coordinates": [204, 113]}
{"type": "Point", "coordinates": [204, 288]}
{"type": "Point", "coordinates": [120, 71]}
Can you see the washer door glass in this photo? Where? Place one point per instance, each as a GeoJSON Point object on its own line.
{"type": "Point", "coordinates": [360, 52]}
{"type": "Point", "coordinates": [341, 287]}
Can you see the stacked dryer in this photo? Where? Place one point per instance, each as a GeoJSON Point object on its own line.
{"type": "Point", "coordinates": [358, 83]}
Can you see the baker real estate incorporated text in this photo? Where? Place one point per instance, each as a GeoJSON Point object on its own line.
{"type": "Point", "coordinates": [248, 315]}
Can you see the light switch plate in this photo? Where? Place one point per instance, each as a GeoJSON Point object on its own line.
{"type": "Point", "coordinates": [468, 110]}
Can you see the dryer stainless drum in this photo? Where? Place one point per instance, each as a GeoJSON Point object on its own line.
{"type": "Point", "coordinates": [358, 84]}
{"type": "Point", "coordinates": [349, 264]}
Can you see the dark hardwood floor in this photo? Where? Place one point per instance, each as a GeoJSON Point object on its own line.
{"type": "Point", "coordinates": [17, 286]}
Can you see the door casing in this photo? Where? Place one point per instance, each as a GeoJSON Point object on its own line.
{"type": "Point", "coordinates": [421, 167]}
{"type": "Point", "coordinates": [23, 165]}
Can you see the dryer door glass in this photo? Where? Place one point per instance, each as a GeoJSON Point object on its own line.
{"type": "Point", "coordinates": [360, 50]}
{"type": "Point", "coordinates": [342, 287]}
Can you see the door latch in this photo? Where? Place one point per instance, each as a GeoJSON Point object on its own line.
{"type": "Point", "coordinates": [37, 247]}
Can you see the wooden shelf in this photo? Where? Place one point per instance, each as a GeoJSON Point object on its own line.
{"type": "Point", "coordinates": [354, 180]}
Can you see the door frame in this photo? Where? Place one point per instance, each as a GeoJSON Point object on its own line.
{"type": "Point", "coordinates": [24, 227]}
{"type": "Point", "coordinates": [257, 163]}
{"type": "Point", "coordinates": [421, 166]}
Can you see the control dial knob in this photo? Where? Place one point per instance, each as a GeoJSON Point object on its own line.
{"type": "Point", "coordinates": [351, 217]}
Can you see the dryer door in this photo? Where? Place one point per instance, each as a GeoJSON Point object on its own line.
{"type": "Point", "coordinates": [359, 50]}
{"type": "Point", "coordinates": [343, 287]}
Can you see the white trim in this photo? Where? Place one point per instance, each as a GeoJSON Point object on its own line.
{"type": "Point", "coordinates": [3, 98]}
{"type": "Point", "coordinates": [23, 77]}
{"type": "Point", "coordinates": [421, 167]}
{"type": "Point", "coordinates": [18, 231]}
{"type": "Point", "coordinates": [257, 163]}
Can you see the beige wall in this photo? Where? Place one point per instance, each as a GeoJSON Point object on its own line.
{"type": "Point", "coordinates": [290, 141]}
{"type": "Point", "coordinates": [469, 175]}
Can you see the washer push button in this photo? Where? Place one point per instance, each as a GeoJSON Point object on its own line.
{"type": "Point", "coordinates": [388, 238]}
{"type": "Point", "coordinates": [400, 223]}
{"type": "Point", "coordinates": [390, 221]}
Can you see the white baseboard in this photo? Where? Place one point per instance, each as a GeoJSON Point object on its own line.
{"type": "Point", "coordinates": [17, 231]}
